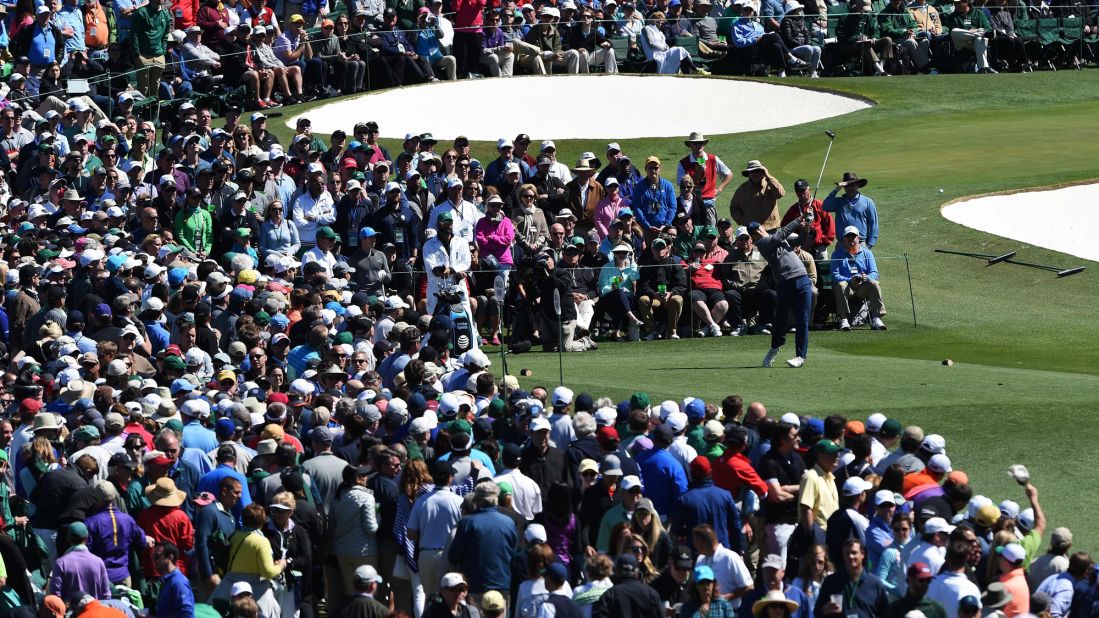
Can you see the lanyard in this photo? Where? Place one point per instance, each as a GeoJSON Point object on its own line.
{"type": "Point", "coordinates": [853, 591]}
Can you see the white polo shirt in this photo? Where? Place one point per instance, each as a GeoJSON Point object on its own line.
{"type": "Point", "coordinates": [730, 572]}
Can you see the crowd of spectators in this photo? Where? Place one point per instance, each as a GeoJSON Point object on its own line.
{"type": "Point", "coordinates": [266, 54]}
{"type": "Point", "coordinates": [246, 377]}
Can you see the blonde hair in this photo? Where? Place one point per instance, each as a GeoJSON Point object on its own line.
{"type": "Point", "coordinates": [286, 499]}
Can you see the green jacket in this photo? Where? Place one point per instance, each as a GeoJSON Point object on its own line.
{"type": "Point", "coordinates": [894, 25]}
{"type": "Point", "coordinates": [901, 607]}
{"type": "Point", "coordinates": [195, 230]}
{"type": "Point", "coordinates": [684, 243]}
{"type": "Point", "coordinates": [149, 31]}
{"type": "Point", "coordinates": [854, 26]}
{"type": "Point", "coordinates": [406, 13]}
{"type": "Point", "coordinates": [974, 19]}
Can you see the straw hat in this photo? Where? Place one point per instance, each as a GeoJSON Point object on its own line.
{"type": "Point", "coordinates": [164, 493]}
{"type": "Point", "coordinates": [696, 137]}
{"type": "Point", "coordinates": [771, 598]}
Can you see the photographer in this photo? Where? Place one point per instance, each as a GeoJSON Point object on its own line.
{"type": "Point", "coordinates": [293, 544]}
{"type": "Point", "coordinates": [548, 278]}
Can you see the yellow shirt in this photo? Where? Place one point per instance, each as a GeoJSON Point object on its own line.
{"type": "Point", "coordinates": [818, 492]}
{"type": "Point", "coordinates": [250, 552]}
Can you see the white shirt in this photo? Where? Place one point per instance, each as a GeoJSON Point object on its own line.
{"type": "Point", "coordinates": [925, 552]}
{"type": "Point", "coordinates": [316, 254]}
{"type": "Point", "coordinates": [322, 210]}
{"type": "Point", "coordinates": [561, 431]}
{"type": "Point", "coordinates": [683, 452]}
{"type": "Point", "coordinates": [560, 170]}
{"type": "Point", "coordinates": [878, 452]}
{"type": "Point", "coordinates": [730, 572]}
{"type": "Point", "coordinates": [466, 217]}
{"type": "Point", "coordinates": [526, 495]}
{"type": "Point", "coordinates": [950, 588]}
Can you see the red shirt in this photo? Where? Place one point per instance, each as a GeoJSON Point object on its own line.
{"type": "Point", "coordinates": [468, 15]}
{"type": "Point", "coordinates": [166, 523]}
{"type": "Point", "coordinates": [733, 472]}
{"type": "Point", "coordinates": [823, 227]}
{"type": "Point", "coordinates": [705, 277]}
{"type": "Point", "coordinates": [137, 428]}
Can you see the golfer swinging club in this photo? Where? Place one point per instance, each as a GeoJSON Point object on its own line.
{"type": "Point", "coordinates": [795, 291]}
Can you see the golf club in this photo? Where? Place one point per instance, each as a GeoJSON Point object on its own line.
{"type": "Point", "coordinates": [1061, 272]}
{"type": "Point", "coordinates": [992, 259]}
{"type": "Point", "coordinates": [831, 140]}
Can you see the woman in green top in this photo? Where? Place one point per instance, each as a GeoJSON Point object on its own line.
{"type": "Point", "coordinates": [251, 559]}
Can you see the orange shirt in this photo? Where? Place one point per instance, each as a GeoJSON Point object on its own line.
{"type": "Point", "coordinates": [1014, 582]}
{"type": "Point", "coordinates": [96, 30]}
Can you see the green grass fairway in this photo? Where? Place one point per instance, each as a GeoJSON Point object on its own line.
{"type": "Point", "coordinates": [1025, 386]}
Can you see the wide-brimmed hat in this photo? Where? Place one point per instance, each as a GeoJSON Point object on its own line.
{"type": "Point", "coordinates": [753, 166]}
{"type": "Point", "coordinates": [76, 390]}
{"type": "Point", "coordinates": [773, 597]}
{"type": "Point", "coordinates": [164, 493]}
{"type": "Point", "coordinates": [696, 137]}
{"type": "Point", "coordinates": [852, 177]}
{"type": "Point", "coordinates": [995, 596]}
{"type": "Point", "coordinates": [583, 166]}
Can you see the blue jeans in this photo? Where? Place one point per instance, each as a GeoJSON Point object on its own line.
{"type": "Point", "coordinates": [798, 294]}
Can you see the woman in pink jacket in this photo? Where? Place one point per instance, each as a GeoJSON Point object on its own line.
{"type": "Point", "coordinates": [606, 211]}
{"type": "Point", "coordinates": [495, 234]}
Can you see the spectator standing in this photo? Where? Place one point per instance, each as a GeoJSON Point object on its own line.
{"type": "Point", "coordinates": [756, 199]}
{"type": "Point", "coordinates": [148, 32]}
{"type": "Point", "coordinates": [852, 208]}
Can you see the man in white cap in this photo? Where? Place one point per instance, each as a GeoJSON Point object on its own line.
{"type": "Point", "coordinates": [363, 604]}
{"type": "Point", "coordinates": [855, 273]}
{"type": "Point", "coordinates": [465, 214]}
{"type": "Point", "coordinates": [931, 547]}
{"type": "Point", "coordinates": [847, 522]}
{"type": "Point", "coordinates": [494, 171]}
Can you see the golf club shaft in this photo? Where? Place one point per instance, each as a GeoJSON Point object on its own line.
{"type": "Point", "coordinates": [824, 165]}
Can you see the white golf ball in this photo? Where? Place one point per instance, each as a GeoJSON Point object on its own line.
{"type": "Point", "coordinates": [940, 191]}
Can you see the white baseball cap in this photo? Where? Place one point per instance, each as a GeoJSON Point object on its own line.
{"type": "Point", "coordinates": [939, 464]}
{"type": "Point", "coordinates": [630, 482]}
{"type": "Point", "coordinates": [677, 421]}
{"type": "Point", "coordinates": [875, 421]}
{"type": "Point", "coordinates": [855, 486]}
{"type": "Point", "coordinates": [1012, 552]}
{"type": "Point", "coordinates": [936, 525]}
{"type": "Point", "coordinates": [240, 588]}
{"type": "Point", "coordinates": [884, 496]}
{"type": "Point", "coordinates": [535, 533]}
{"type": "Point", "coordinates": [791, 418]}
{"type": "Point", "coordinates": [538, 424]}
{"type": "Point", "coordinates": [562, 396]}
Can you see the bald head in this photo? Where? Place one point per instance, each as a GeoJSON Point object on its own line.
{"type": "Point", "coordinates": [756, 413]}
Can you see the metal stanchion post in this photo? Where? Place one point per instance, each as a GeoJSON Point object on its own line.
{"type": "Point", "coordinates": [560, 337]}
{"type": "Point", "coordinates": [911, 294]}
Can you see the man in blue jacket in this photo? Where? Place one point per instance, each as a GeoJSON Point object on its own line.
{"type": "Point", "coordinates": [663, 475]}
{"type": "Point", "coordinates": [706, 503]}
{"type": "Point", "coordinates": [653, 200]}
{"type": "Point", "coordinates": [856, 276]}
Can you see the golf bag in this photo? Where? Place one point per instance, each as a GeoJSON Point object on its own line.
{"type": "Point", "coordinates": [450, 303]}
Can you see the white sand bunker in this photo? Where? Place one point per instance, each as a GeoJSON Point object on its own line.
{"type": "Point", "coordinates": [583, 107]}
{"type": "Point", "coordinates": [1065, 220]}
